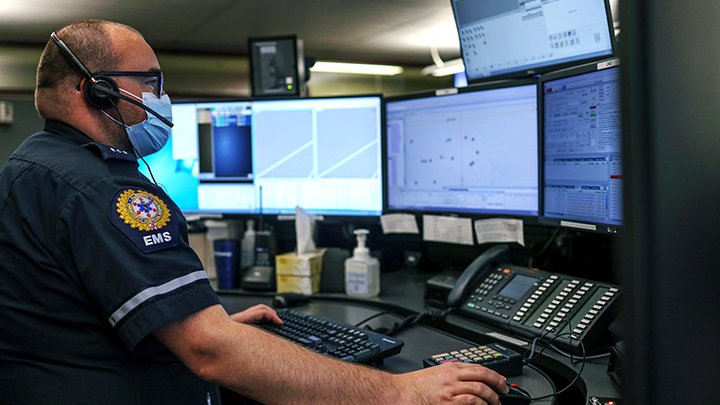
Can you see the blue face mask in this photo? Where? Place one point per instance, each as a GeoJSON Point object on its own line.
{"type": "Point", "coordinates": [151, 135]}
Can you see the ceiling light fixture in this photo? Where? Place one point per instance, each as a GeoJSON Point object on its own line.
{"type": "Point", "coordinates": [356, 68]}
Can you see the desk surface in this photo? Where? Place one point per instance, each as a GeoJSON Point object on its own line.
{"type": "Point", "coordinates": [402, 293]}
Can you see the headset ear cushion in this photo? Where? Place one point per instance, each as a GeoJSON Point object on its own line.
{"type": "Point", "coordinates": [96, 97]}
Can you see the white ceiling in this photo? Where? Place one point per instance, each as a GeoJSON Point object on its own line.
{"type": "Point", "coordinates": [381, 31]}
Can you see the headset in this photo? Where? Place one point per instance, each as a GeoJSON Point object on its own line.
{"type": "Point", "coordinates": [101, 92]}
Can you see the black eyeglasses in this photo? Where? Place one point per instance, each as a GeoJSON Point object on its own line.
{"type": "Point", "coordinates": [157, 86]}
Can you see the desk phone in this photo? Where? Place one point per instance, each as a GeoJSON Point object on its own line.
{"type": "Point", "coordinates": [529, 302]}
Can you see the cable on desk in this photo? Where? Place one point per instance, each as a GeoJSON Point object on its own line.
{"type": "Point", "coordinates": [547, 377]}
{"type": "Point", "coordinates": [373, 317]}
{"type": "Point", "coordinates": [413, 320]}
{"type": "Point", "coordinates": [569, 355]}
{"type": "Point", "coordinates": [533, 355]}
{"type": "Point", "coordinates": [577, 376]}
{"type": "Point", "coordinates": [542, 336]}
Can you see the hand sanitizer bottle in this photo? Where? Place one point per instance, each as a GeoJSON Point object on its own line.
{"type": "Point", "coordinates": [362, 271]}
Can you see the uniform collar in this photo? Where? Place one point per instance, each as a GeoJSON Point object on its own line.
{"type": "Point", "coordinates": [71, 133]}
{"type": "Point", "coordinates": [66, 131]}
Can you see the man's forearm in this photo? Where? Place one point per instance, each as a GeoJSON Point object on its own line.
{"type": "Point", "coordinates": [255, 363]}
{"type": "Point", "coordinates": [263, 363]}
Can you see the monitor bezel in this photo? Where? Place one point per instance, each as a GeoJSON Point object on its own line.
{"type": "Point", "coordinates": [522, 73]}
{"type": "Point", "coordinates": [253, 90]}
{"type": "Point", "coordinates": [498, 84]}
{"type": "Point", "coordinates": [588, 226]}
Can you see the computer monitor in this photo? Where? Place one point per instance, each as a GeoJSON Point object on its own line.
{"type": "Point", "coordinates": [580, 140]}
{"type": "Point", "coordinates": [274, 66]}
{"type": "Point", "coordinates": [323, 154]}
{"type": "Point", "coordinates": [267, 157]}
{"type": "Point", "coordinates": [517, 38]}
{"type": "Point", "coordinates": [472, 151]}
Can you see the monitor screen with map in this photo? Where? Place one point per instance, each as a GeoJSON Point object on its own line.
{"type": "Point", "coordinates": [473, 150]}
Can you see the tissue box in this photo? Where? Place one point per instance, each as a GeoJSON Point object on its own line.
{"type": "Point", "coordinates": [299, 273]}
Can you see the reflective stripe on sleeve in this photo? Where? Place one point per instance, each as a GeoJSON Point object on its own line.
{"type": "Point", "coordinates": [151, 292]}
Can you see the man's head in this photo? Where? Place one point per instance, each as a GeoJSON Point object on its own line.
{"type": "Point", "coordinates": [102, 46]}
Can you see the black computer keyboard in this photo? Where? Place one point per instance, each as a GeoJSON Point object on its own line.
{"type": "Point", "coordinates": [333, 338]}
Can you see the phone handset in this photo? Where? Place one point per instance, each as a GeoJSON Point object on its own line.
{"type": "Point", "coordinates": [472, 274]}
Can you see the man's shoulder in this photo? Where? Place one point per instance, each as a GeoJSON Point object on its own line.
{"type": "Point", "coordinates": [75, 163]}
{"type": "Point", "coordinates": [48, 148]}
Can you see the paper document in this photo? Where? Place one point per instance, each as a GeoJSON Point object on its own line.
{"type": "Point", "coordinates": [447, 229]}
{"type": "Point", "coordinates": [499, 230]}
{"type": "Point", "coordinates": [399, 223]}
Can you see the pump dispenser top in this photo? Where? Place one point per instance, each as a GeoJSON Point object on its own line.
{"type": "Point", "coordinates": [361, 250]}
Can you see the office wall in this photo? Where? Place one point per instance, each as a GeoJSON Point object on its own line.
{"type": "Point", "coordinates": [17, 68]}
{"type": "Point", "coordinates": [26, 123]}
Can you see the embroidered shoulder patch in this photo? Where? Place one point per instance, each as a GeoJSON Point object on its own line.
{"type": "Point", "coordinates": [145, 219]}
{"type": "Point", "coordinates": [142, 210]}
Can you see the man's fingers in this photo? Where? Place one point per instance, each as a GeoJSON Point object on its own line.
{"type": "Point", "coordinates": [476, 389]}
{"type": "Point", "coordinates": [474, 372]}
{"type": "Point", "coordinates": [256, 313]}
{"type": "Point", "coordinates": [468, 399]}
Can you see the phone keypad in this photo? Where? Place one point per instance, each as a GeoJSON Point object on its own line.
{"type": "Point", "coordinates": [493, 355]}
{"type": "Point", "coordinates": [487, 285]}
{"type": "Point", "coordinates": [479, 355]}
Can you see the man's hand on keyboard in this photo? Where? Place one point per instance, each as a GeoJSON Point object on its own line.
{"type": "Point", "coordinates": [257, 313]}
{"type": "Point", "coordinates": [453, 383]}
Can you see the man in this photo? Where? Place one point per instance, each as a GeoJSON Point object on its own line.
{"type": "Point", "coordinates": [102, 301]}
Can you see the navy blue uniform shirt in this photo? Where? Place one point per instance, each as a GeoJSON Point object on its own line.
{"type": "Point", "coordinates": [93, 258]}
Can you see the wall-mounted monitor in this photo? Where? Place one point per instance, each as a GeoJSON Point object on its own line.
{"type": "Point", "coordinates": [274, 66]}
{"type": "Point", "coordinates": [471, 151]}
{"type": "Point", "coordinates": [580, 140]}
{"type": "Point", "coordinates": [519, 38]}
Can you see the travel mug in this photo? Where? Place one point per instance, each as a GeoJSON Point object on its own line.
{"type": "Point", "coordinates": [227, 263]}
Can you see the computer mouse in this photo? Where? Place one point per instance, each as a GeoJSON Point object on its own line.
{"type": "Point", "coordinates": [516, 396]}
{"type": "Point", "coordinates": [289, 300]}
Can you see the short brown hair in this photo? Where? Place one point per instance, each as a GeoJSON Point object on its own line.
{"type": "Point", "coordinates": [90, 41]}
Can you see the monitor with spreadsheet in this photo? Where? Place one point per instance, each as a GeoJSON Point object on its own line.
{"type": "Point", "coordinates": [520, 38]}
{"type": "Point", "coordinates": [581, 171]}
{"type": "Point", "coordinates": [472, 151]}
{"type": "Point", "coordinates": [269, 156]}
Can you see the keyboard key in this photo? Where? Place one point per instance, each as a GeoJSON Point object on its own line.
{"type": "Point", "coordinates": [362, 355]}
